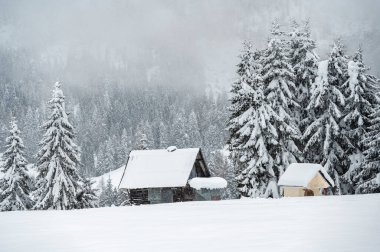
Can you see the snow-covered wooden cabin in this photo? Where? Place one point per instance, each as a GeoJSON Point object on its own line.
{"type": "Point", "coordinates": [162, 176]}
{"type": "Point", "coordinates": [302, 179]}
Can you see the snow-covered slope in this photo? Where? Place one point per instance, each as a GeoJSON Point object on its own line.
{"type": "Point", "coordinates": [115, 176]}
{"type": "Point", "coordinates": [346, 223]}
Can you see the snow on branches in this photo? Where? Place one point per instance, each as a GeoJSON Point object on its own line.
{"type": "Point", "coordinates": [59, 184]}
{"type": "Point", "coordinates": [15, 184]}
{"type": "Point", "coordinates": [288, 107]}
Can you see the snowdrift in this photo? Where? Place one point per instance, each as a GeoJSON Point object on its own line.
{"type": "Point", "coordinates": [336, 223]}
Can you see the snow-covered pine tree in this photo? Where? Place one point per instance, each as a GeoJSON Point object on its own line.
{"type": "Point", "coordinates": [324, 135]}
{"type": "Point", "coordinates": [239, 100]}
{"type": "Point", "coordinates": [367, 178]}
{"type": "Point", "coordinates": [362, 101]}
{"type": "Point", "coordinates": [101, 160]}
{"type": "Point", "coordinates": [125, 145]}
{"type": "Point", "coordinates": [279, 90]}
{"type": "Point", "coordinates": [221, 166]}
{"type": "Point", "coordinates": [143, 142]}
{"type": "Point", "coordinates": [122, 198]}
{"type": "Point", "coordinates": [163, 135]}
{"type": "Point", "coordinates": [107, 196]}
{"type": "Point", "coordinates": [178, 136]}
{"type": "Point", "coordinates": [58, 159]}
{"type": "Point", "coordinates": [87, 197]}
{"type": "Point", "coordinates": [252, 134]}
{"type": "Point", "coordinates": [110, 152]}
{"type": "Point", "coordinates": [31, 134]}
{"type": "Point", "coordinates": [143, 136]}
{"type": "Point", "coordinates": [304, 61]}
{"type": "Point", "coordinates": [15, 185]}
{"type": "Point", "coordinates": [192, 129]}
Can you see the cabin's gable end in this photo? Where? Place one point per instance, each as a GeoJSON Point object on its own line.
{"type": "Point", "coordinates": [318, 182]}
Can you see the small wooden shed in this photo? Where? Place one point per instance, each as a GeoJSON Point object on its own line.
{"type": "Point", "coordinates": [208, 188]}
{"type": "Point", "coordinates": [162, 176]}
{"type": "Point", "coordinates": [303, 179]}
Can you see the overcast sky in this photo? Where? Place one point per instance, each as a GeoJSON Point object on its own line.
{"type": "Point", "coordinates": [207, 34]}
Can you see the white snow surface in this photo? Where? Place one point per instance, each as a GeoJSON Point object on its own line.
{"type": "Point", "coordinates": [313, 224]}
{"type": "Point", "coordinates": [114, 175]}
{"type": "Point", "coordinates": [158, 168]}
{"type": "Point", "coordinates": [208, 183]}
{"type": "Point", "coordinates": [300, 174]}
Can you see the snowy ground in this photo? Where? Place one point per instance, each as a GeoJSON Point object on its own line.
{"type": "Point", "coordinates": [348, 223]}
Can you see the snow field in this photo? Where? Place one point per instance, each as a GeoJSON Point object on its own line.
{"type": "Point", "coordinates": [335, 223]}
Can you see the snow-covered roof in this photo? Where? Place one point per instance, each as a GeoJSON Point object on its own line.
{"type": "Point", "coordinates": [159, 168]}
{"type": "Point", "coordinates": [300, 174]}
{"type": "Point", "coordinates": [208, 183]}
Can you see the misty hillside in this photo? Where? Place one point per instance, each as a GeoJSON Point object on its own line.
{"type": "Point", "coordinates": [123, 67]}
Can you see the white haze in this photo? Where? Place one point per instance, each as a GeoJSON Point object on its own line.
{"type": "Point", "coordinates": [170, 42]}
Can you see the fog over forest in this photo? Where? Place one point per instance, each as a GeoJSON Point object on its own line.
{"type": "Point", "coordinates": [163, 67]}
{"type": "Point", "coordinates": [180, 43]}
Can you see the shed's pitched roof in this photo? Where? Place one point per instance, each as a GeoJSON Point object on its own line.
{"type": "Point", "coordinates": [159, 168]}
{"type": "Point", "coordinates": [300, 174]}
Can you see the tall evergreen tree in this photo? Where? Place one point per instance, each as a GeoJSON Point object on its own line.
{"type": "Point", "coordinates": [101, 160]}
{"type": "Point", "coordinates": [15, 185]}
{"type": "Point", "coordinates": [362, 102]}
{"type": "Point", "coordinates": [164, 135]}
{"type": "Point", "coordinates": [178, 136]}
{"type": "Point", "coordinates": [279, 90]}
{"type": "Point", "coordinates": [58, 159]}
{"type": "Point", "coordinates": [367, 178]}
{"type": "Point", "coordinates": [252, 133]}
{"type": "Point", "coordinates": [324, 135]}
{"type": "Point", "coordinates": [240, 101]}
{"type": "Point", "coordinates": [30, 129]}
{"type": "Point", "coordinates": [125, 145]}
{"type": "Point", "coordinates": [304, 61]}
{"type": "Point", "coordinates": [192, 130]}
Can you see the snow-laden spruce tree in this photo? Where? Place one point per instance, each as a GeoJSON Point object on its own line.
{"type": "Point", "coordinates": [15, 184]}
{"type": "Point", "coordinates": [239, 100]}
{"type": "Point", "coordinates": [107, 196]}
{"type": "Point", "coordinates": [304, 61]}
{"type": "Point", "coordinates": [325, 142]}
{"type": "Point", "coordinates": [143, 136]}
{"type": "Point", "coordinates": [220, 165]}
{"type": "Point", "coordinates": [86, 196]}
{"type": "Point", "coordinates": [125, 145]}
{"type": "Point", "coordinates": [58, 159]}
{"type": "Point", "coordinates": [367, 179]}
{"type": "Point", "coordinates": [31, 134]}
{"type": "Point", "coordinates": [192, 129]}
{"type": "Point", "coordinates": [362, 101]}
{"type": "Point", "coordinates": [279, 90]}
{"type": "Point", "coordinates": [252, 133]}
